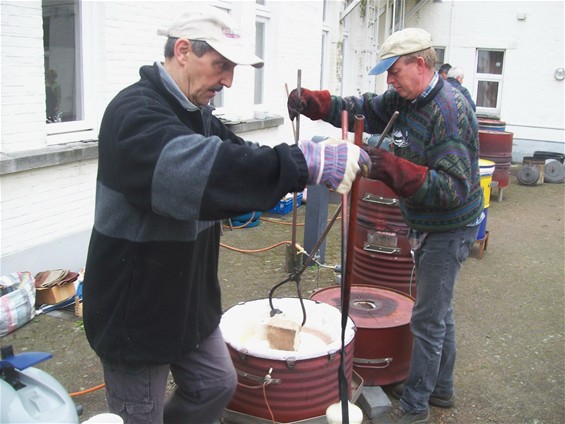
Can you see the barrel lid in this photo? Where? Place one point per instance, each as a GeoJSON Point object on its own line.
{"type": "Point", "coordinates": [490, 121]}
{"type": "Point", "coordinates": [528, 175]}
{"type": "Point", "coordinates": [370, 306]}
{"type": "Point", "coordinates": [549, 155]}
{"type": "Point", "coordinates": [554, 171]}
{"type": "Point", "coordinates": [494, 132]}
{"type": "Point", "coordinates": [487, 167]}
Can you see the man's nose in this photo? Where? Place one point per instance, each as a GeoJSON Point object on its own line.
{"type": "Point", "coordinates": [227, 79]}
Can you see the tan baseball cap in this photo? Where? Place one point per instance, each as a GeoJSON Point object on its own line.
{"type": "Point", "coordinates": [218, 29]}
{"type": "Point", "coordinates": [403, 42]}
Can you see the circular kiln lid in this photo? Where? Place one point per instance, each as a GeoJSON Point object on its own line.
{"type": "Point", "coordinates": [371, 307]}
{"type": "Point", "coordinates": [244, 328]}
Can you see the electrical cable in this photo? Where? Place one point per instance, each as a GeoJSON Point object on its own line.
{"type": "Point", "coordinates": [267, 403]}
{"type": "Point", "coordinates": [84, 392]}
{"type": "Point", "coordinates": [274, 221]}
{"type": "Point", "coordinates": [235, 249]}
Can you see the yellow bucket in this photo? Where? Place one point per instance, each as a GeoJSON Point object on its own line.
{"type": "Point", "coordinates": [487, 170]}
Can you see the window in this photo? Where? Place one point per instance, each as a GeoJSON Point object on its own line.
{"type": "Point", "coordinates": [325, 59]}
{"type": "Point", "coordinates": [490, 66]}
{"type": "Point", "coordinates": [260, 52]}
{"type": "Point", "coordinates": [440, 53]}
{"type": "Point", "coordinates": [324, 65]}
{"type": "Point", "coordinates": [249, 93]}
{"type": "Point", "coordinates": [63, 91]}
{"type": "Point", "coordinates": [69, 59]}
{"type": "Point", "coordinates": [218, 100]}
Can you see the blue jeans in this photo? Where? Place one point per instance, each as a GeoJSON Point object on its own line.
{"type": "Point", "coordinates": [438, 261]}
{"type": "Point", "coordinates": [205, 383]}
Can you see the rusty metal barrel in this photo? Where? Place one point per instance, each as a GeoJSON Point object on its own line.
{"type": "Point", "coordinates": [279, 385]}
{"type": "Point", "coordinates": [496, 146]}
{"type": "Point", "coordinates": [383, 342]}
{"type": "Point", "coordinates": [382, 254]}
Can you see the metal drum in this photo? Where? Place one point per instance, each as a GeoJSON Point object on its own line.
{"type": "Point", "coordinates": [491, 124]}
{"type": "Point", "coordinates": [496, 146]}
{"type": "Point", "coordinates": [293, 385]}
{"type": "Point", "coordinates": [383, 342]}
{"type": "Point", "coordinates": [382, 254]}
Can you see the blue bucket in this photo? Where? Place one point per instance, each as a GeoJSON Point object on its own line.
{"type": "Point", "coordinates": [483, 227]}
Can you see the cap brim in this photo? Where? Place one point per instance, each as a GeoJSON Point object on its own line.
{"type": "Point", "coordinates": [237, 54]}
{"type": "Point", "coordinates": [383, 65]}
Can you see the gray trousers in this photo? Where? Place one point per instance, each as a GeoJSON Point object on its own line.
{"type": "Point", "coordinates": [205, 382]}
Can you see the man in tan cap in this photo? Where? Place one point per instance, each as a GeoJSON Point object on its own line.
{"type": "Point", "coordinates": [168, 173]}
{"type": "Point", "coordinates": [433, 168]}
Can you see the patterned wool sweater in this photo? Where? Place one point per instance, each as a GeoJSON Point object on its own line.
{"type": "Point", "coordinates": [439, 131]}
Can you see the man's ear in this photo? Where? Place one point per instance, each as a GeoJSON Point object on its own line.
{"type": "Point", "coordinates": [182, 48]}
{"type": "Point", "coordinates": [421, 63]}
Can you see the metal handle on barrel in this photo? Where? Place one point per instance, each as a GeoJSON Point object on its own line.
{"type": "Point", "coordinates": [387, 201]}
{"type": "Point", "coordinates": [372, 363]}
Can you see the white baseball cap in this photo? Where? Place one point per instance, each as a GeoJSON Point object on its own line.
{"type": "Point", "coordinates": [218, 29]}
{"type": "Point", "coordinates": [406, 41]}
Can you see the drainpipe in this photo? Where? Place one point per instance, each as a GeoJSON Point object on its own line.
{"type": "Point", "coordinates": [450, 30]}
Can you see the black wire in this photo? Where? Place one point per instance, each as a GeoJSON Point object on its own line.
{"type": "Point", "coordinates": [276, 286]}
{"type": "Point", "coordinates": [292, 277]}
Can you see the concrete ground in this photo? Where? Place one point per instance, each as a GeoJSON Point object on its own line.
{"type": "Point", "coordinates": [509, 308]}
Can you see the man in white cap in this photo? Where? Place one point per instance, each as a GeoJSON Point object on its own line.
{"type": "Point", "coordinates": [433, 168]}
{"type": "Point", "coordinates": [455, 77]}
{"type": "Point", "coordinates": [168, 173]}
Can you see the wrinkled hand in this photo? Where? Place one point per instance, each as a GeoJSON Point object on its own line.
{"type": "Point", "coordinates": [401, 175]}
{"type": "Point", "coordinates": [334, 163]}
{"type": "Point", "coordinates": [313, 104]}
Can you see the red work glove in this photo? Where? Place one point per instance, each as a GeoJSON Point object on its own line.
{"type": "Point", "coordinates": [401, 175]}
{"type": "Point", "coordinates": [313, 104]}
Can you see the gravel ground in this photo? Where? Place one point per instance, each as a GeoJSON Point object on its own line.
{"type": "Point", "coordinates": [509, 307]}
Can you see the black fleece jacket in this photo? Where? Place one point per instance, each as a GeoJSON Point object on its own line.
{"type": "Point", "coordinates": [168, 172]}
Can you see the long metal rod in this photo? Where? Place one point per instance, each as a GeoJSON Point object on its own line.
{"type": "Point", "coordinates": [291, 122]}
{"type": "Point", "coordinates": [347, 269]}
{"type": "Point", "coordinates": [387, 128]}
{"type": "Point", "coordinates": [354, 201]}
{"type": "Point", "coordinates": [344, 197]}
{"type": "Point", "coordinates": [342, 379]}
{"type": "Point", "coordinates": [294, 249]}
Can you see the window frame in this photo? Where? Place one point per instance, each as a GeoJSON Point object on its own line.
{"type": "Point", "coordinates": [84, 128]}
{"type": "Point", "coordinates": [325, 48]}
{"type": "Point", "coordinates": [440, 51]}
{"type": "Point", "coordinates": [259, 73]}
{"type": "Point", "coordinates": [487, 77]}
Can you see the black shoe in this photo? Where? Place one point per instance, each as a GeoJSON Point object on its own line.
{"type": "Point", "coordinates": [441, 401]}
{"type": "Point", "coordinates": [400, 416]}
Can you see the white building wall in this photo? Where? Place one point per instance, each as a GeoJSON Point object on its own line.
{"type": "Point", "coordinates": [44, 207]}
{"type": "Point", "coordinates": [23, 86]}
{"type": "Point", "coordinates": [46, 213]}
{"type": "Point", "coordinates": [532, 35]}
{"type": "Point", "coordinates": [295, 45]}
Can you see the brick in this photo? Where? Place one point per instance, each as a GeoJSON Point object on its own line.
{"type": "Point", "coordinates": [283, 334]}
{"type": "Point", "coordinates": [374, 401]}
